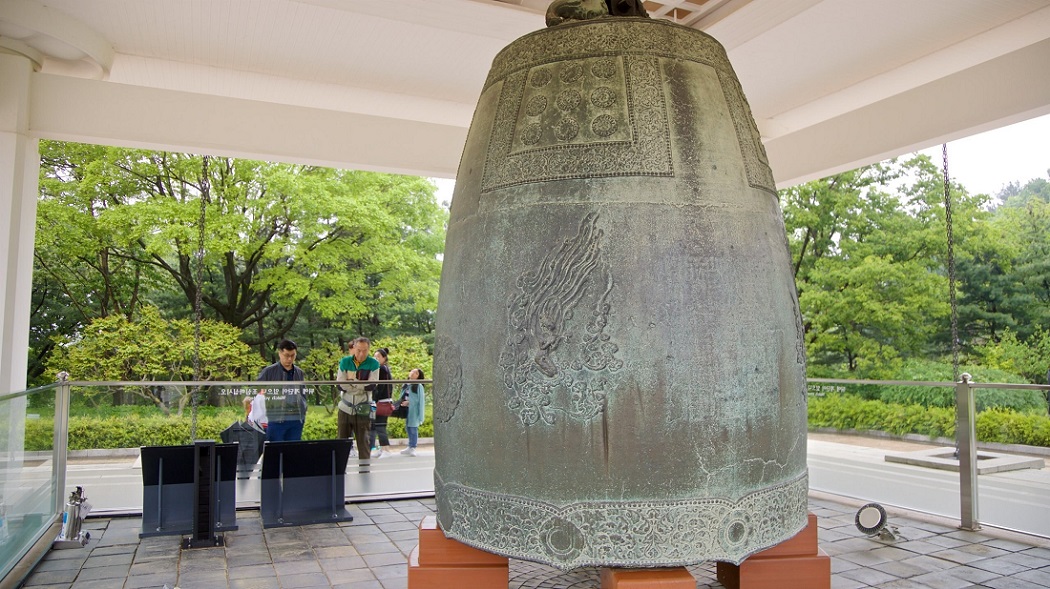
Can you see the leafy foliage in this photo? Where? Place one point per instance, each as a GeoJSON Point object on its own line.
{"type": "Point", "coordinates": [845, 412]}
{"type": "Point", "coordinates": [150, 347]}
{"type": "Point", "coordinates": [135, 430]}
{"type": "Point", "coordinates": [289, 250]}
{"type": "Point", "coordinates": [930, 396]}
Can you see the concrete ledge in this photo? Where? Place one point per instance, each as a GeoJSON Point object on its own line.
{"type": "Point", "coordinates": [921, 439]}
{"type": "Point", "coordinates": [944, 459]}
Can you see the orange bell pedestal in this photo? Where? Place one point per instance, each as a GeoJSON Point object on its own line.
{"type": "Point", "coordinates": [671, 578]}
{"type": "Point", "coordinates": [793, 564]}
{"type": "Point", "coordinates": [438, 562]}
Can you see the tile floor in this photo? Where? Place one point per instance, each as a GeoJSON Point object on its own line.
{"type": "Point", "coordinates": [370, 553]}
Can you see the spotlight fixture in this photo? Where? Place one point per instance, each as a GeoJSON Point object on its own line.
{"type": "Point", "coordinates": [872, 520]}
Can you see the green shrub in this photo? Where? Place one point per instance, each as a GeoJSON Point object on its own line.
{"type": "Point", "coordinates": [845, 412]}
{"type": "Point", "coordinates": [131, 429]}
{"type": "Point", "coordinates": [930, 396]}
{"type": "Point", "coordinates": [1009, 427]}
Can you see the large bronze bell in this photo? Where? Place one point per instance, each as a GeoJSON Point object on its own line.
{"type": "Point", "coordinates": [619, 366]}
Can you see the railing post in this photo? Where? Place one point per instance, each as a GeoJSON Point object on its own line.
{"type": "Point", "coordinates": [59, 451]}
{"type": "Point", "coordinates": [966, 441]}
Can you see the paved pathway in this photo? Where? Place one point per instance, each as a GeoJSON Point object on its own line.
{"type": "Point", "coordinates": [371, 551]}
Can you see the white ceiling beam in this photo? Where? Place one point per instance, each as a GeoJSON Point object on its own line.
{"type": "Point", "coordinates": [97, 112]}
{"type": "Point", "coordinates": [993, 94]}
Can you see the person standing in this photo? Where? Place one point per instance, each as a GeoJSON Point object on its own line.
{"type": "Point", "coordinates": [356, 407]}
{"type": "Point", "coordinates": [284, 407]}
{"type": "Point", "coordinates": [377, 437]}
{"type": "Point", "coordinates": [416, 403]}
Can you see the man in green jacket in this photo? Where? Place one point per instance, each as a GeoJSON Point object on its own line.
{"type": "Point", "coordinates": [355, 402]}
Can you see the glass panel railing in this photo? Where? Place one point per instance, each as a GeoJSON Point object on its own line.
{"type": "Point", "coordinates": [110, 421]}
{"type": "Point", "coordinates": [28, 477]}
{"type": "Point", "coordinates": [987, 445]}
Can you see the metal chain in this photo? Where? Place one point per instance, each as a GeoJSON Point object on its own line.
{"type": "Point", "coordinates": [951, 264]}
{"type": "Point", "coordinates": [205, 188]}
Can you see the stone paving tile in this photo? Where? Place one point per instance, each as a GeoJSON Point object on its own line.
{"type": "Point", "coordinates": [392, 517]}
{"type": "Point", "coordinates": [109, 550]}
{"type": "Point", "coordinates": [350, 576]}
{"type": "Point", "coordinates": [304, 580]}
{"type": "Point", "coordinates": [1011, 583]}
{"type": "Point", "coordinates": [360, 585]}
{"type": "Point", "coordinates": [1038, 552]}
{"type": "Point", "coordinates": [1026, 560]}
{"type": "Point", "coordinates": [1008, 545]}
{"type": "Point", "coordinates": [332, 565]}
{"type": "Point", "coordinates": [109, 572]}
{"type": "Point", "coordinates": [840, 582]}
{"type": "Point", "coordinates": [406, 546]}
{"type": "Point", "coordinates": [255, 583]}
{"type": "Point", "coordinates": [868, 575]}
{"type": "Point", "coordinates": [930, 563]}
{"type": "Point", "coordinates": [919, 547]}
{"type": "Point", "coordinates": [398, 526]}
{"type": "Point", "coordinates": [297, 567]}
{"type": "Point", "coordinates": [151, 567]}
{"type": "Point", "coordinates": [208, 579]}
{"type": "Point", "coordinates": [151, 580]}
{"type": "Point", "coordinates": [946, 542]}
{"type": "Point", "coordinates": [983, 550]}
{"type": "Point", "coordinates": [404, 534]}
{"type": "Point", "coordinates": [387, 558]}
{"type": "Point", "coordinates": [96, 560]}
{"type": "Point", "coordinates": [939, 580]}
{"type": "Point", "coordinates": [327, 537]}
{"type": "Point", "coordinates": [93, 584]}
{"type": "Point", "coordinates": [902, 584]}
{"type": "Point", "coordinates": [904, 569]}
{"type": "Point", "coordinates": [243, 558]}
{"type": "Point", "coordinates": [1039, 577]}
{"type": "Point", "coordinates": [61, 564]}
{"type": "Point", "coordinates": [286, 553]}
{"type": "Point", "coordinates": [326, 552]}
{"type": "Point", "coordinates": [390, 572]}
{"type": "Point", "coordinates": [251, 571]}
{"type": "Point", "coordinates": [43, 578]}
{"type": "Point", "coordinates": [386, 546]}
{"type": "Point", "coordinates": [958, 556]}
{"type": "Point", "coordinates": [1001, 565]}
{"type": "Point", "coordinates": [975, 576]}
{"type": "Point", "coordinates": [839, 565]}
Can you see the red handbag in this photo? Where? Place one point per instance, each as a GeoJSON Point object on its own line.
{"type": "Point", "coordinates": [384, 408]}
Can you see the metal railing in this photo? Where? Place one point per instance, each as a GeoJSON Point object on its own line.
{"type": "Point", "coordinates": [965, 432]}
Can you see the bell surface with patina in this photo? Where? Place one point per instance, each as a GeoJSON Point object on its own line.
{"type": "Point", "coordinates": [619, 373]}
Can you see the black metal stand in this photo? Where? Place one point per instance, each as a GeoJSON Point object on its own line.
{"type": "Point", "coordinates": [293, 473]}
{"type": "Point", "coordinates": [182, 484]}
{"type": "Point", "coordinates": [203, 534]}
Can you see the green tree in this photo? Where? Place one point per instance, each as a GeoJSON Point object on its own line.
{"type": "Point", "coordinates": [865, 263]}
{"type": "Point", "coordinates": [149, 347]}
{"type": "Point", "coordinates": [281, 241]}
{"type": "Point", "coordinates": [1030, 358]}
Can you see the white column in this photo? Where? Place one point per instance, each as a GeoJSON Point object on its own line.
{"type": "Point", "coordinates": [19, 170]}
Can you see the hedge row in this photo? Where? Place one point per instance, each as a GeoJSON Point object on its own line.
{"type": "Point", "coordinates": [847, 412]}
{"type": "Point", "coordinates": [87, 433]}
